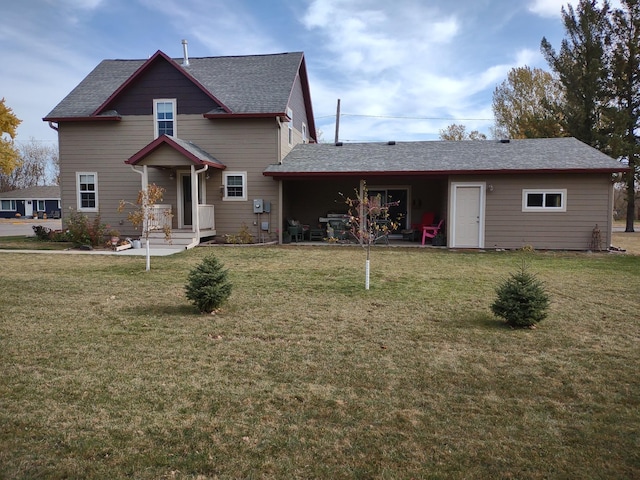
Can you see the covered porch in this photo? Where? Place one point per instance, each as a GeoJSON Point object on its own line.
{"type": "Point", "coordinates": [181, 169]}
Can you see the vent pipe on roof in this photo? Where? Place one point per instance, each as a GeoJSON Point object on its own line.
{"type": "Point", "coordinates": [504, 140]}
{"type": "Point", "coordinates": [185, 53]}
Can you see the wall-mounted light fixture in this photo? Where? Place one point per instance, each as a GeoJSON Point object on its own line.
{"type": "Point", "coordinates": [490, 188]}
{"type": "Point", "coordinates": [172, 175]}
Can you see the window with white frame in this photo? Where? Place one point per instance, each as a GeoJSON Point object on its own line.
{"type": "Point", "coordinates": [290, 125]}
{"type": "Point", "coordinates": [164, 114]}
{"type": "Point", "coordinates": [41, 206]}
{"type": "Point", "coordinates": [543, 200]}
{"type": "Point", "coordinates": [87, 191]}
{"type": "Point", "coordinates": [8, 205]}
{"type": "Point", "coordinates": [235, 185]}
{"type": "Point", "coordinates": [304, 134]}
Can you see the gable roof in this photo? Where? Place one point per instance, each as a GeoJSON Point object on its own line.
{"type": "Point", "coordinates": [256, 85]}
{"type": "Point", "coordinates": [45, 192]}
{"type": "Point", "coordinates": [444, 158]}
{"type": "Point", "coordinates": [190, 150]}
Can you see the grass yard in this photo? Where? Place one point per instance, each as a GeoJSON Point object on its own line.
{"type": "Point", "coordinates": [108, 372]}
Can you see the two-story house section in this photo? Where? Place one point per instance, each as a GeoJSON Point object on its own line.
{"type": "Point", "coordinates": [204, 129]}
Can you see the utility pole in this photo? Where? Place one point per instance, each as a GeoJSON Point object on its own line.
{"type": "Point", "coordinates": [337, 121]}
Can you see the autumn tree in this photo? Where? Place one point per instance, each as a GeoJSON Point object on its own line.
{"type": "Point", "coordinates": [456, 132]}
{"type": "Point", "coordinates": [527, 105]}
{"type": "Point", "coordinates": [38, 165]}
{"type": "Point", "coordinates": [9, 156]}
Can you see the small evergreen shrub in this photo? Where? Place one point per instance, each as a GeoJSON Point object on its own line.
{"type": "Point", "coordinates": [521, 299]}
{"type": "Point", "coordinates": [207, 285]}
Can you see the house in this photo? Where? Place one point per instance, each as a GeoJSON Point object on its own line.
{"type": "Point", "coordinates": [204, 129]}
{"type": "Point", "coordinates": [31, 202]}
{"type": "Point", "coordinates": [544, 193]}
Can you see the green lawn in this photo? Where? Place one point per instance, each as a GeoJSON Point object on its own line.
{"type": "Point", "coordinates": [108, 372]}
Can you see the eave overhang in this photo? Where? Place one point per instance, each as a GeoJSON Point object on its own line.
{"type": "Point", "coordinates": [213, 116]}
{"type": "Point", "coordinates": [97, 118]}
{"type": "Point", "coordinates": [194, 153]}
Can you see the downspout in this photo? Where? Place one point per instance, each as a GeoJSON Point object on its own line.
{"type": "Point", "coordinates": [195, 204]}
{"type": "Point", "coordinates": [52, 126]}
{"type": "Point", "coordinates": [280, 193]}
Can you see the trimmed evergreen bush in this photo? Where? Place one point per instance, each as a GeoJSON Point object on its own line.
{"type": "Point", "coordinates": [207, 285]}
{"type": "Point", "coordinates": [522, 300]}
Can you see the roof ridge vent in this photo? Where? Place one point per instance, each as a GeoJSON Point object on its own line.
{"type": "Point", "coordinates": [339, 144]}
{"type": "Point", "coordinates": [505, 140]}
{"type": "Point", "coordinates": [391, 142]}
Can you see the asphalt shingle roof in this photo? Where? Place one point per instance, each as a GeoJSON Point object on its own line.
{"type": "Point", "coordinates": [245, 84]}
{"type": "Point", "coordinates": [444, 157]}
{"type": "Point", "coordinates": [48, 192]}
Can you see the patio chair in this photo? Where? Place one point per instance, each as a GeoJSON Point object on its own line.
{"type": "Point", "coordinates": [431, 231]}
{"type": "Point", "coordinates": [427, 220]}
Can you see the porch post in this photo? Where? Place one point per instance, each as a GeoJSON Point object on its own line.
{"type": "Point", "coordinates": [280, 224]}
{"type": "Point", "coordinates": [195, 221]}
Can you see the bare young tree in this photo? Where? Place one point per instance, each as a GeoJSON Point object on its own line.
{"type": "Point", "coordinates": [38, 165]}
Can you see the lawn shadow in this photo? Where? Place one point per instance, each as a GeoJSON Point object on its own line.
{"type": "Point", "coordinates": [486, 321]}
{"type": "Point", "coordinates": [163, 310]}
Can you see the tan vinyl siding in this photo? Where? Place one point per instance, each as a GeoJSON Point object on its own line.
{"type": "Point", "coordinates": [102, 147]}
{"type": "Point", "coordinates": [587, 204]}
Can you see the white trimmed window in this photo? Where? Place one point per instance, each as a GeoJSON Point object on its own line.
{"type": "Point", "coordinates": [41, 206]}
{"type": "Point", "coordinates": [305, 139]}
{"type": "Point", "coordinates": [542, 200]}
{"type": "Point", "coordinates": [8, 205]}
{"type": "Point", "coordinates": [87, 191]}
{"type": "Point", "coordinates": [235, 186]}
{"type": "Point", "coordinates": [164, 115]}
{"type": "Point", "coordinates": [290, 125]}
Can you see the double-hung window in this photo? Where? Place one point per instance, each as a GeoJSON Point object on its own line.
{"type": "Point", "coordinates": [542, 200]}
{"type": "Point", "coordinates": [235, 185]}
{"type": "Point", "coordinates": [164, 115]}
{"type": "Point", "coordinates": [290, 125]}
{"type": "Point", "coordinates": [87, 191]}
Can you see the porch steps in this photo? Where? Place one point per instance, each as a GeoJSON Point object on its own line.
{"type": "Point", "coordinates": [186, 239]}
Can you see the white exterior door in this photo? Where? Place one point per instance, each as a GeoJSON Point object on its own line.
{"type": "Point", "coordinates": [467, 209]}
{"type": "Point", "coordinates": [28, 208]}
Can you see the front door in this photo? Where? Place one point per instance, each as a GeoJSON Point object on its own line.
{"type": "Point", "coordinates": [28, 208]}
{"type": "Point", "coordinates": [185, 203]}
{"type": "Point", "coordinates": [467, 209]}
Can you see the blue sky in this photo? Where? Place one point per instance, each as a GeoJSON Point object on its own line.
{"type": "Point", "coordinates": [403, 69]}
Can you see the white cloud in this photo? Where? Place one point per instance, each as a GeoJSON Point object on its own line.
{"type": "Point", "coordinates": [553, 8]}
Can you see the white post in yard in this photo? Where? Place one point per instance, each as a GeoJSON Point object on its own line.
{"type": "Point", "coordinates": [366, 273]}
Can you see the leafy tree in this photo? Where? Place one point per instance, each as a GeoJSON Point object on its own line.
{"type": "Point", "coordinates": [527, 105]}
{"type": "Point", "coordinates": [146, 217]}
{"type": "Point", "coordinates": [581, 68]}
{"type": "Point", "coordinates": [207, 285]}
{"type": "Point", "coordinates": [625, 83]}
{"type": "Point", "coordinates": [456, 132]}
{"type": "Point", "coordinates": [9, 156]}
{"type": "Point", "coordinates": [370, 221]}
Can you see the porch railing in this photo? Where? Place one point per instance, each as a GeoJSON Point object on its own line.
{"type": "Point", "coordinates": [160, 217]}
{"type": "Point", "coordinates": [206, 217]}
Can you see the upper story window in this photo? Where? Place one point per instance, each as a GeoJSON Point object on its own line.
{"type": "Point", "coordinates": [235, 185]}
{"type": "Point", "coordinates": [541, 200]}
{"type": "Point", "coordinates": [87, 191]}
{"type": "Point", "coordinates": [164, 114]}
{"type": "Point", "coordinates": [290, 125]}
{"type": "Point", "coordinates": [305, 138]}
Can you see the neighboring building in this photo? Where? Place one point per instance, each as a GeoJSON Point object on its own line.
{"type": "Point", "coordinates": [31, 202]}
{"type": "Point", "coordinates": [204, 129]}
{"type": "Point", "coordinates": [546, 193]}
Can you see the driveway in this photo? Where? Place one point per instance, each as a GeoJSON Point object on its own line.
{"type": "Point", "coordinates": [10, 227]}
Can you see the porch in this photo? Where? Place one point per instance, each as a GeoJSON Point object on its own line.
{"type": "Point", "coordinates": [162, 219]}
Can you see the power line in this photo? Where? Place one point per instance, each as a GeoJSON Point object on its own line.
{"type": "Point", "coordinates": [404, 118]}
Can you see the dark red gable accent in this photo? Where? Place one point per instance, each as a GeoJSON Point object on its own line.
{"type": "Point", "coordinates": [165, 140]}
{"type": "Point", "coordinates": [146, 66]}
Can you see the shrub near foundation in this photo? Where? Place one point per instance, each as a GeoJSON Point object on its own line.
{"type": "Point", "coordinates": [522, 300]}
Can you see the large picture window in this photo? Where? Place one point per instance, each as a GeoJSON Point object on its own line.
{"type": "Point", "coordinates": [541, 200]}
{"type": "Point", "coordinates": [8, 205]}
{"type": "Point", "coordinates": [164, 114]}
{"type": "Point", "coordinates": [87, 191]}
{"type": "Point", "coordinates": [235, 185]}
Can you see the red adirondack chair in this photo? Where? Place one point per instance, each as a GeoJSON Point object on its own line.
{"type": "Point", "coordinates": [431, 231]}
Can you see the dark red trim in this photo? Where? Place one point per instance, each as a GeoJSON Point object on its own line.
{"type": "Point", "coordinates": [165, 140]}
{"type": "Point", "coordinates": [144, 67]}
{"type": "Point", "coordinates": [98, 118]}
{"type": "Point", "coordinates": [426, 173]}
{"type": "Point", "coordinates": [213, 116]}
{"type": "Point", "coordinates": [306, 93]}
